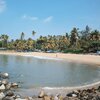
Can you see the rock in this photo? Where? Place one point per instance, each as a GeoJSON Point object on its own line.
{"type": "Point", "coordinates": [2, 87]}
{"type": "Point", "coordinates": [14, 85]}
{"type": "Point", "coordinates": [17, 96]}
{"type": "Point", "coordinates": [9, 93]}
{"type": "Point", "coordinates": [56, 98]}
{"type": "Point", "coordinates": [46, 98]}
{"type": "Point", "coordinates": [8, 86]}
{"type": "Point", "coordinates": [20, 99]}
{"type": "Point", "coordinates": [8, 98]}
{"type": "Point", "coordinates": [2, 95]}
{"type": "Point", "coordinates": [72, 94]}
{"type": "Point", "coordinates": [0, 82]}
{"type": "Point", "coordinates": [29, 98]}
{"type": "Point", "coordinates": [60, 97]}
{"type": "Point", "coordinates": [41, 94]}
{"type": "Point", "coordinates": [66, 98]}
{"type": "Point", "coordinates": [4, 75]}
{"type": "Point", "coordinates": [4, 81]}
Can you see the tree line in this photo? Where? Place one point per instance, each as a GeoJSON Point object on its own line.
{"type": "Point", "coordinates": [77, 41]}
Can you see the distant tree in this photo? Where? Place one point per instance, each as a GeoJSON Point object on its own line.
{"type": "Point", "coordinates": [85, 33]}
{"type": "Point", "coordinates": [4, 40]}
{"type": "Point", "coordinates": [74, 37]}
{"type": "Point", "coordinates": [22, 36]}
{"type": "Point", "coordinates": [33, 32]}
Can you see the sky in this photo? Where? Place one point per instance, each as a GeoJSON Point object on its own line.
{"type": "Point", "coordinates": [47, 17]}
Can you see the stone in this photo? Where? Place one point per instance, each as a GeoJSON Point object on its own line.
{"type": "Point", "coordinates": [8, 98]}
{"type": "Point", "coordinates": [20, 99]}
{"type": "Point", "coordinates": [4, 81]}
{"type": "Point", "coordinates": [8, 86]}
{"type": "Point", "coordinates": [29, 98]}
{"type": "Point", "coordinates": [66, 98]}
{"type": "Point", "coordinates": [4, 75]}
{"type": "Point", "coordinates": [9, 93]}
{"type": "Point", "coordinates": [60, 97]}
{"type": "Point", "coordinates": [46, 98]}
{"type": "Point", "coordinates": [2, 95]}
{"type": "Point", "coordinates": [14, 85]}
{"type": "Point", "coordinates": [72, 94]}
{"type": "Point", "coordinates": [56, 98]}
{"type": "Point", "coordinates": [41, 94]}
{"type": "Point", "coordinates": [2, 87]}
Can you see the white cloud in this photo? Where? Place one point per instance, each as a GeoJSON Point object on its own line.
{"type": "Point", "coordinates": [29, 17]}
{"type": "Point", "coordinates": [2, 5]}
{"type": "Point", "coordinates": [48, 19]}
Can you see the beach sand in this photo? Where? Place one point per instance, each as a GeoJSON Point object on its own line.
{"type": "Point", "coordinates": [82, 58]}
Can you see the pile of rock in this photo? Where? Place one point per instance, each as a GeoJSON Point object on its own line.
{"type": "Point", "coordinates": [86, 94]}
{"type": "Point", "coordinates": [6, 87]}
{"type": "Point", "coordinates": [7, 92]}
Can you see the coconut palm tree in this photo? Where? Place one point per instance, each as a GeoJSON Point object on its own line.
{"type": "Point", "coordinates": [22, 36]}
{"type": "Point", "coordinates": [4, 40]}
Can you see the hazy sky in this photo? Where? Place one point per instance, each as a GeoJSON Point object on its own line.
{"type": "Point", "coordinates": [47, 16]}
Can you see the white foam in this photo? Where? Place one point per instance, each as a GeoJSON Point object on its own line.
{"type": "Point", "coordinates": [75, 87]}
{"type": "Point", "coordinates": [43, 57]}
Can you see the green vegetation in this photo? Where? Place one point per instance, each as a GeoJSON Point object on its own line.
{"type": "Point", "coordinates": [76, 41]}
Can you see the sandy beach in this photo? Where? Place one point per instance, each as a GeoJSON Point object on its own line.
{"type": "Point", "coordinates": [81, 58]}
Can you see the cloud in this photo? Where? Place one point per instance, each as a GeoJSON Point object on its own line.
{"type": "Point", "coordinates": [29, 18]}
{"type": "Point", "coordinates": [48, 19]}
{"type": "Point", "coordinates": [2, 5]}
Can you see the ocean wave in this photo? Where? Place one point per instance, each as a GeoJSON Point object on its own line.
{"type": "Point", "coordinates": [74, 87]}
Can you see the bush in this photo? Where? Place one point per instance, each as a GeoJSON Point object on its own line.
{"type": "Point", "coordinates": [77, 51]}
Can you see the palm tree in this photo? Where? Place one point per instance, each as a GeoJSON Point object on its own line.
{"type": "Point", "coordinates": [4, 40]}
{"type": "Point", "coordinates": [74, 37]}
{"type": "Point", "coordinates": [33, 33]}
{"type": "Point", "coordinates": [22, 35]}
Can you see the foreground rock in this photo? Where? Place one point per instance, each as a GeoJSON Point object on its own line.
{"type": "Point", "coordinates": [6, 92]}
{"type": "Point", "coordinates": [4, 75]}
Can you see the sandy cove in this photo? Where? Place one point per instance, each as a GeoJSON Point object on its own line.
{"type": "Point", "coordinates": [81, 58]}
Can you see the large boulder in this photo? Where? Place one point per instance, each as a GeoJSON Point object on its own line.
{"type": "Point", "coordinates": [2, 95]}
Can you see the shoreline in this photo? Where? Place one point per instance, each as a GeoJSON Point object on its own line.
{"type": "Point", "coordinates": [89, 59]}
{"type": "Point", "coordinates": [80, 58]}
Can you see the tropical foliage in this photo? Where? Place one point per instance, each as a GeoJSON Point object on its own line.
{"type": "Point", "coordinates": [76, 41]}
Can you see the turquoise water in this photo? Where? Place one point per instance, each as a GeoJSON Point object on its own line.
{"type": "Point", "coordinates": [32, 72]}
